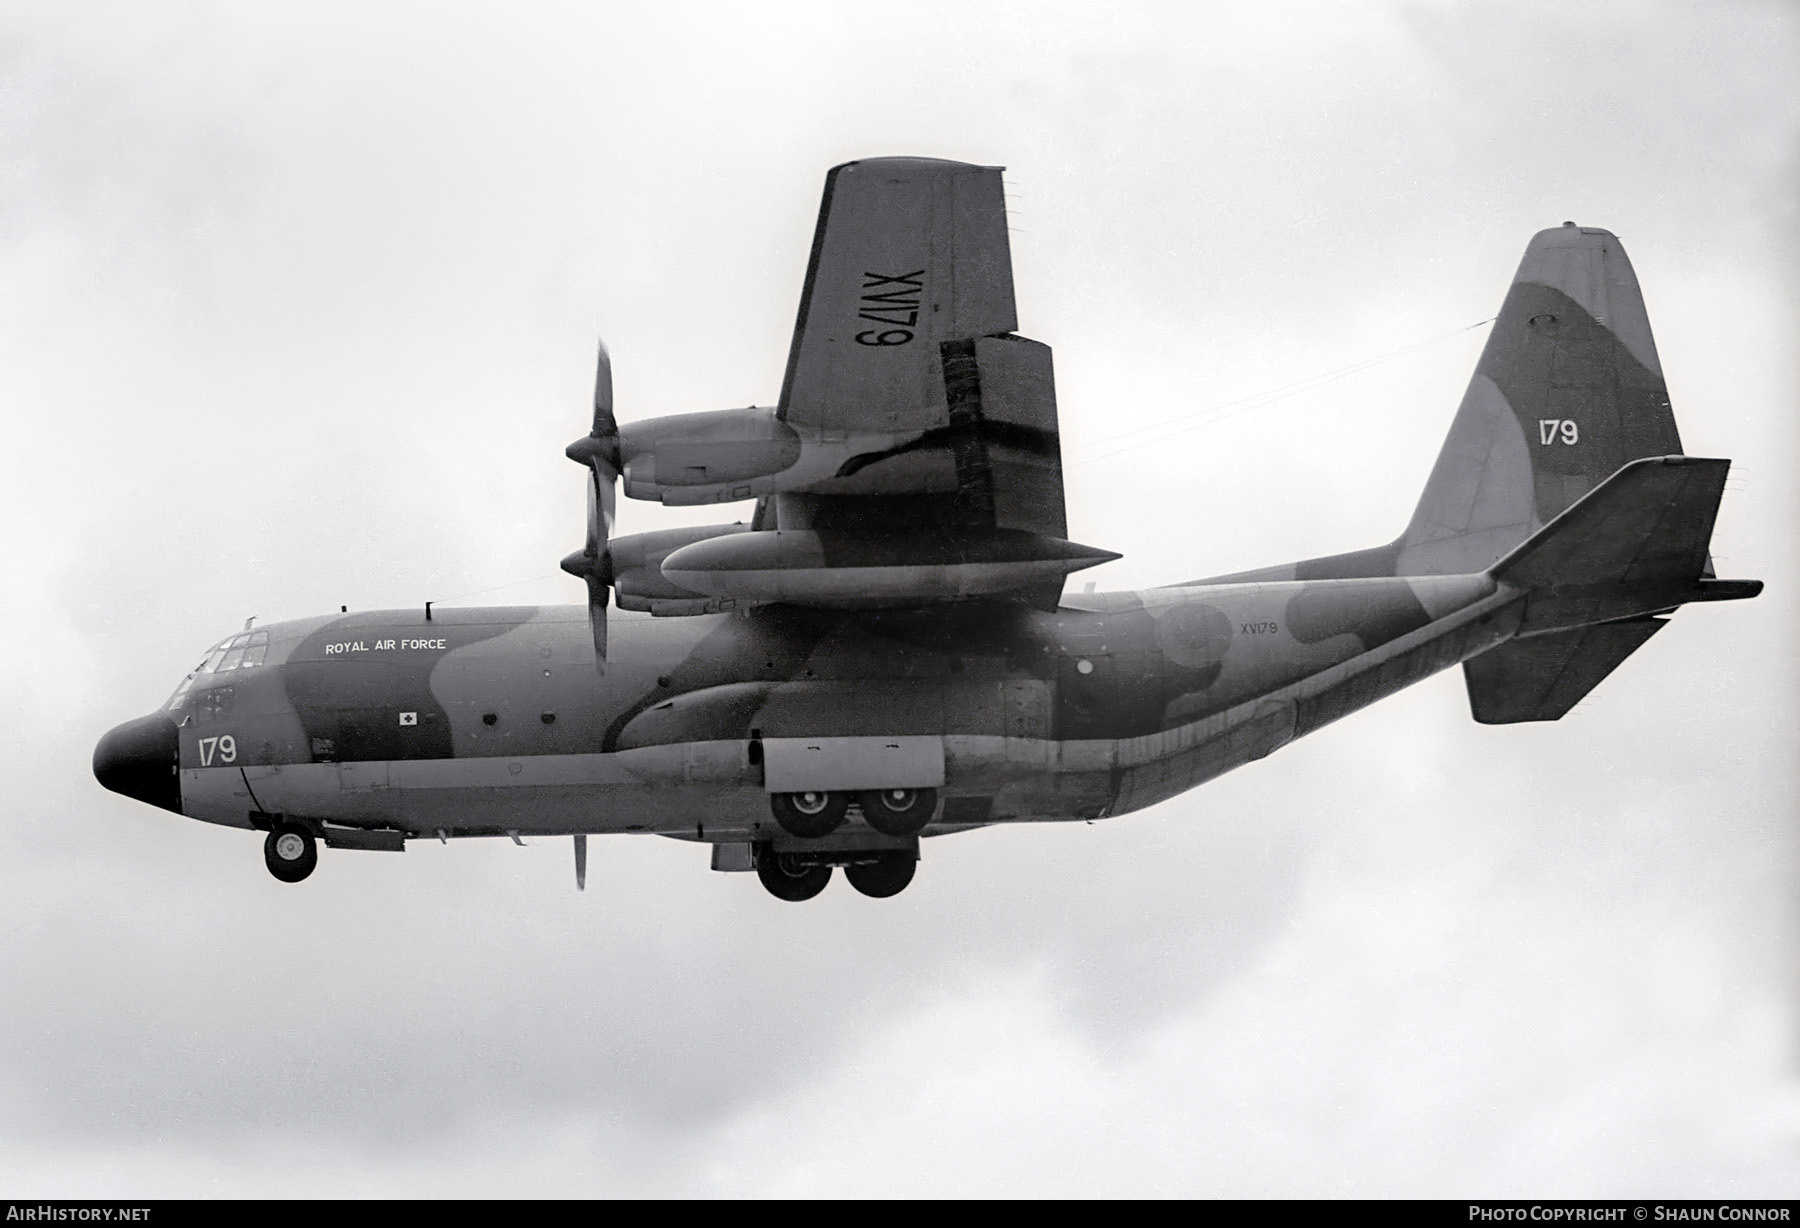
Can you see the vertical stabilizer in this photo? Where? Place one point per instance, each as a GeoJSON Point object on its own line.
{"type": "Point", "coordinates": [1568, 390]}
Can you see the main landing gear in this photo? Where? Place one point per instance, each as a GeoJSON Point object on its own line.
{"type": "Point", "coordinates": [809, 815]}
{"type": "Point", "coordinates": [290, 851]}
{"type": "Point", "coordinates": [794, 875]}
{"type": "Point", "coordinates": [790, 876]}
{"type": "Point", "coordinates": [801, 873]}
{"type": "Point", "coordinates": [885, 873]}
{"type": "Point", "coordinates": [898, 812]}
{"type": "Point", "coordinates": [892, 812]}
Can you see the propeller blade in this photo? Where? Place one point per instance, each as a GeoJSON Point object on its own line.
{"type": "Point", "coordinates": [605, 491]}
{"type": "Point", "coordinates": [597, 620]}
{"type": "Point", "coordinates": [593, 563]}
{"type": "Point", "coordinates": [597, 572]}
{"type": "Point", "coordinates": [605, 425]}
{"type": "Point", "coordinates": [599, 451]}
{"type": "Point", "coordinates": [596, 521]}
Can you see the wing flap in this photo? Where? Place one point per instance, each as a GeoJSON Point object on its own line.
{"type": "Point", "coordinates": [1018, 417]}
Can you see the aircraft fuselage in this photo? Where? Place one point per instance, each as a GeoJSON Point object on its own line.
{"type": "Point", "coordinates": [495, 720]}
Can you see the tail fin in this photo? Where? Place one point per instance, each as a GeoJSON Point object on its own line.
{"type": "Point", "coordinates": [1567, 391]}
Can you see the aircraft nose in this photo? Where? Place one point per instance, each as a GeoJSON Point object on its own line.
{"type": "Point", "coordinates": [142, 760]}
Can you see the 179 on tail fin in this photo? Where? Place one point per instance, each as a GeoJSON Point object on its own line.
{"type": "Point", "coordinates": [1568, 390]}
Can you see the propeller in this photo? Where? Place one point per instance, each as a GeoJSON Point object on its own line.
{"type": "Point", "coordinates": [599, 452]}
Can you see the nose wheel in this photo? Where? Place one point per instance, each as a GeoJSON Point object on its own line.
{"type": "Point", "coordinates": [290, 851]}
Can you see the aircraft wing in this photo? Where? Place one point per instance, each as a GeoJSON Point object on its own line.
{"type": "Point", "coordinates": [906, 329]}
{"type": "Point", "coordinates": [913, 458]}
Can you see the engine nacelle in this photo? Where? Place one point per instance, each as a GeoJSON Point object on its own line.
{"type": "Point", "coordinates": [836, 571]}
{"type": "Point", "coordinates": [716, 457]}
{"type": "Point", "coordinates": [734, 454]}
{"type": "Point", "coordinates": [638, 581]}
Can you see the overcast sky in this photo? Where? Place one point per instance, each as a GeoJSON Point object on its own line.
{"type": "Point", "coordinates": [297, 308]}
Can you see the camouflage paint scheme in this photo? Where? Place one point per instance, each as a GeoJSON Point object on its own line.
{"type": "Point", "coordinates": [1558, 528]}
{"type": "Point", "coordinates": [1081, 713]}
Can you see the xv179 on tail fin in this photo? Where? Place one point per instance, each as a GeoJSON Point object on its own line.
{"type": "Point", "coordinates": [884, 652]}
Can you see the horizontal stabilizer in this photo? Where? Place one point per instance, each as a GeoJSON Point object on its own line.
{"type": "Point", "coordinates": [1633, 545]}
{"type": "Point", "coordinates": [1541, 678]}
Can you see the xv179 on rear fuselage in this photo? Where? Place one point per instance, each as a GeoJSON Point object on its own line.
{"type": "Point", "coordinates": [884, 651]}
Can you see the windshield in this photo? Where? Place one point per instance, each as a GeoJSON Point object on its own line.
{"type": "Point", "coordinates": [243, 651]}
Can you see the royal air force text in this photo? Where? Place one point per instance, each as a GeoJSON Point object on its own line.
{"type": "Point", "coordinates": [332, 650]}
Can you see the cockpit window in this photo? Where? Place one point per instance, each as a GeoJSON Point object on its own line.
{"type": "Point", "coordinates": [239, 652]}
{"type": "Point", "coordinates": [243, 651]}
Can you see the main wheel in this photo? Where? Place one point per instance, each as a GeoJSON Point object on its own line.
{"type": "Point", "coordinates": [290, 851]}
{"type": "Point", "coordinates": [898, 812]}
{"type": "Point", "coordinates": [788, 878]}
{"type": "Point", "coordinates": [887, 875]}
{"type": "Point", "coordinates": [809, 815]}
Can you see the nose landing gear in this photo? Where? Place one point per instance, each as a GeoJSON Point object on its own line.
{"type": "Point", "coordinates": [290, 851]}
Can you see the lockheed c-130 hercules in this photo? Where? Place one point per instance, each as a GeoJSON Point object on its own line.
{"type": "Point", "coordinates": [885, 652]}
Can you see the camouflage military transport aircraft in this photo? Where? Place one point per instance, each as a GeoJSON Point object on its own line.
{"type": "Point", "coordinates": [884, 652]}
